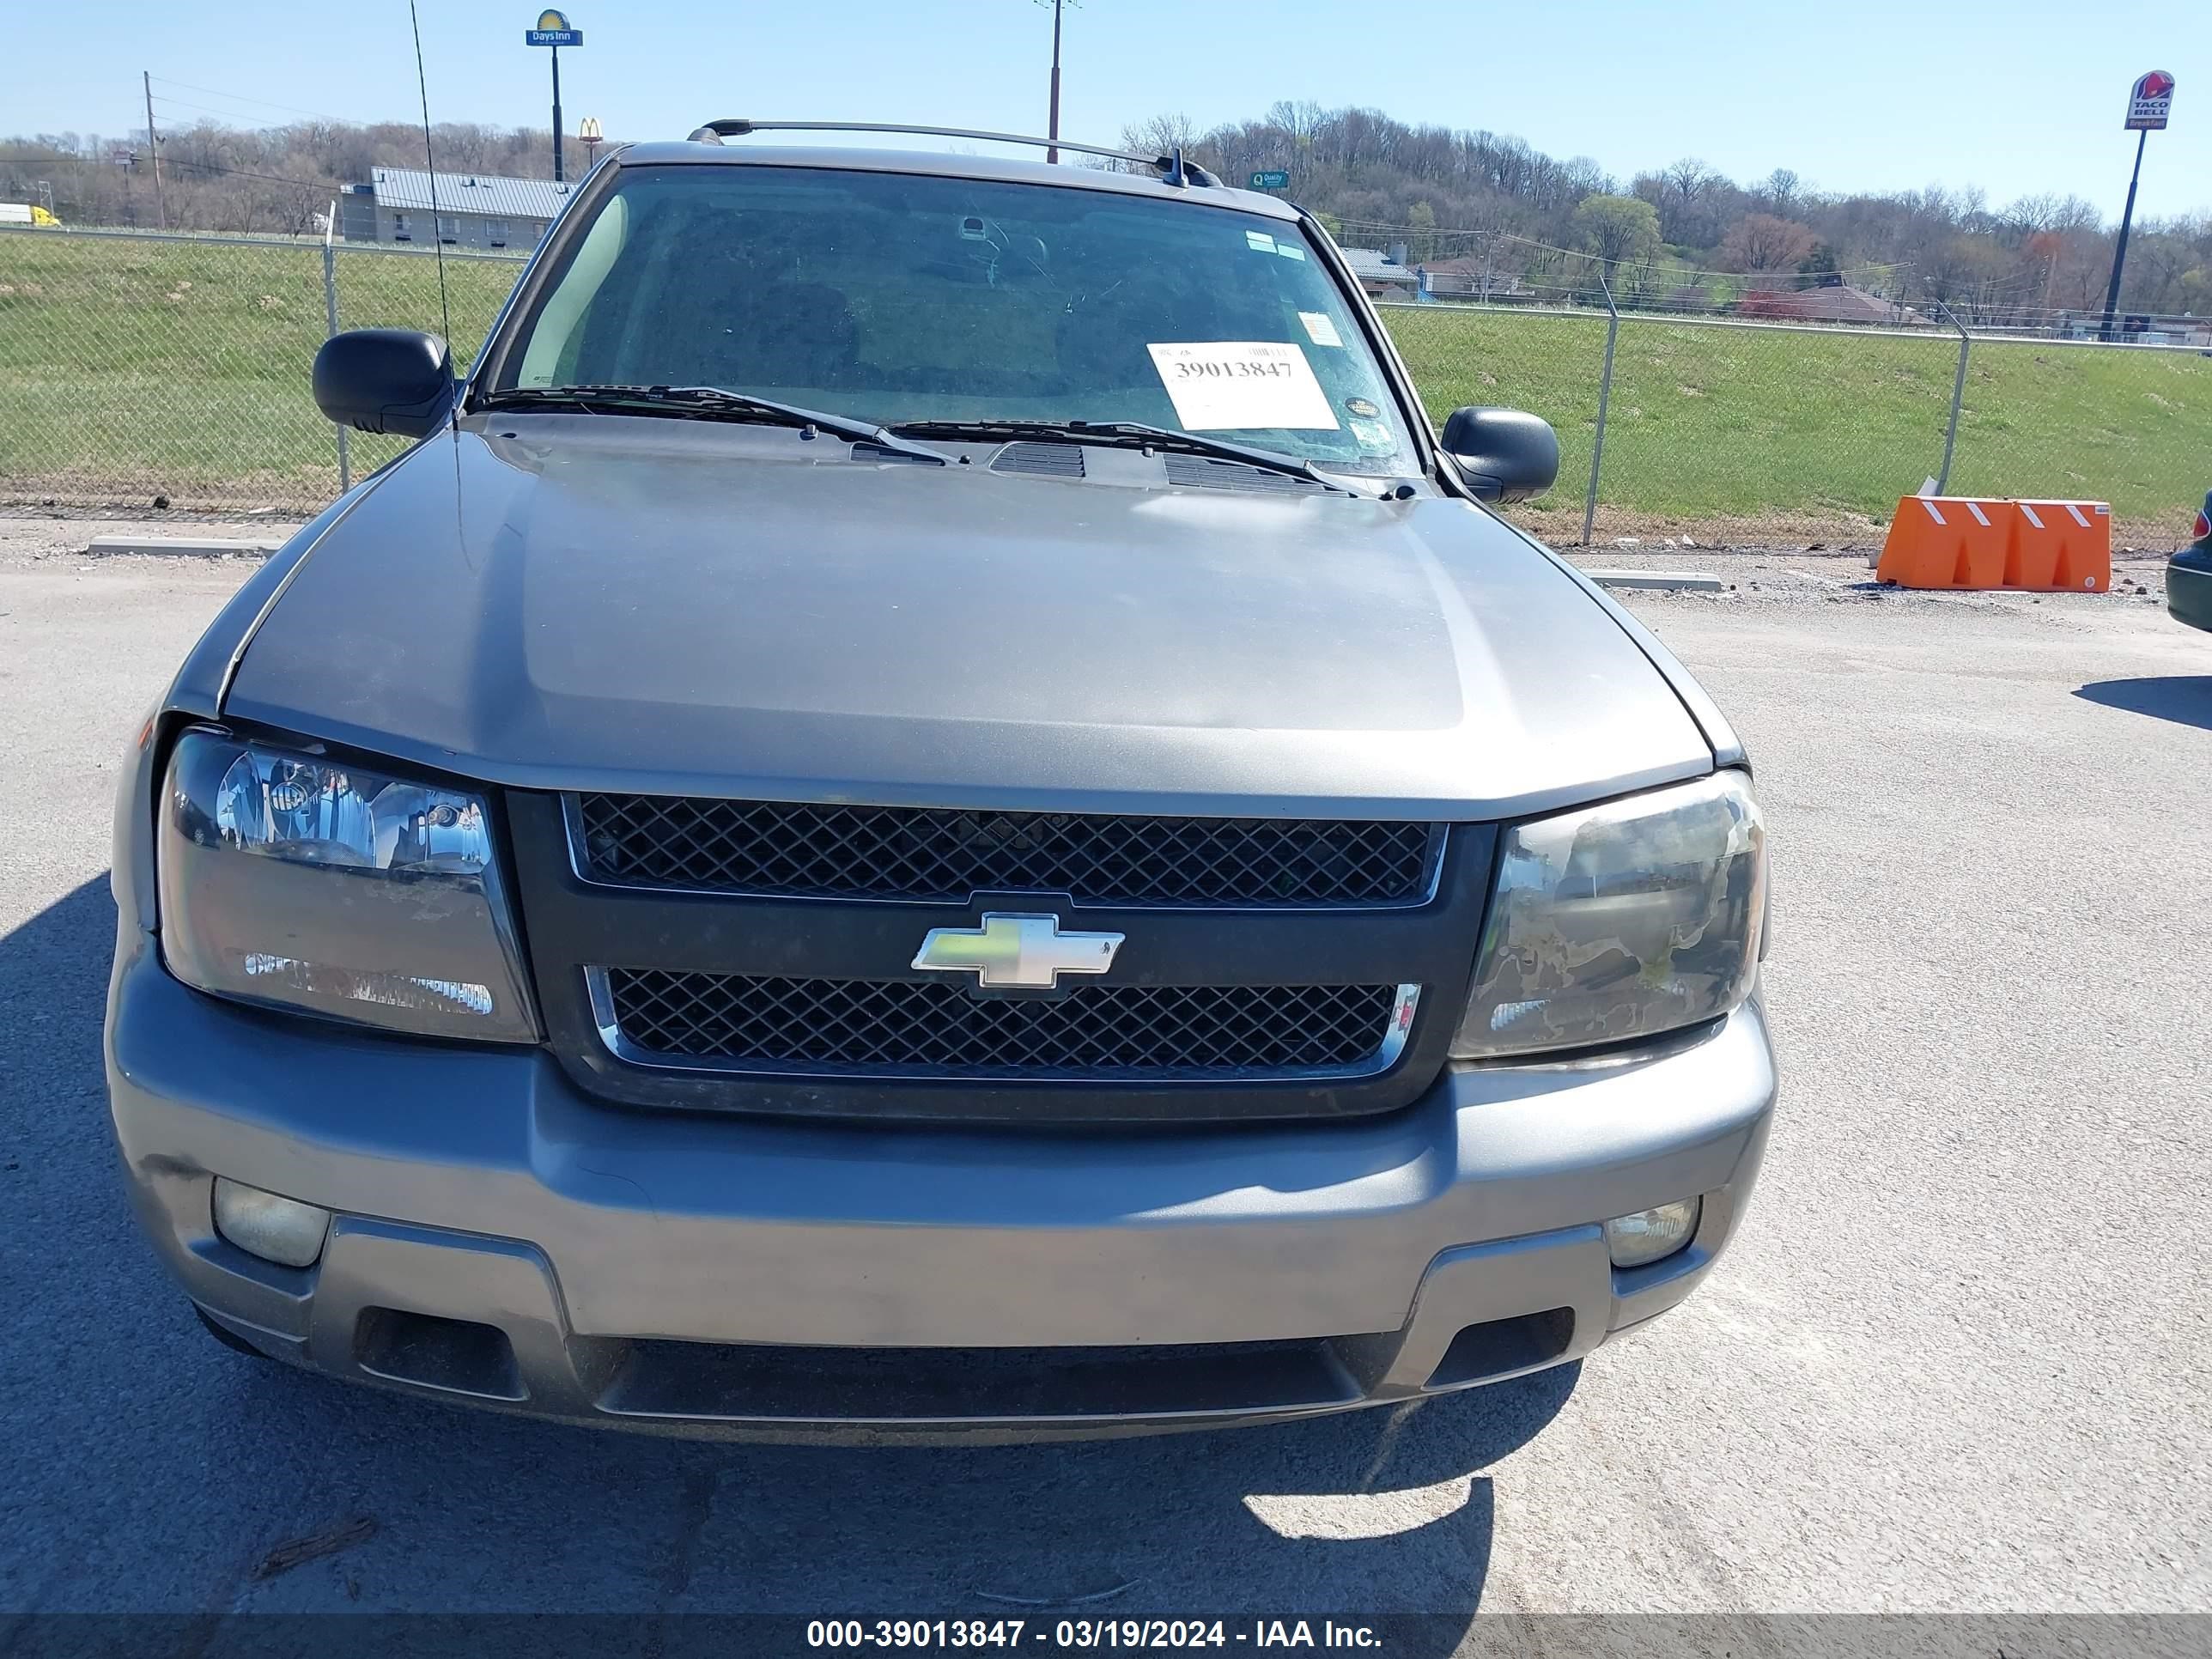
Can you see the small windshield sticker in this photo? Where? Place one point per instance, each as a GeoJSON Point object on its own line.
{"type": "Point", "coordinates": [1373, 436]}
{"type": "Point", "coordinates": [1232, 384]}
{"type": "Point", "coordinates": [1321, 331]}
{"type": "Point", "coordinates": [1259, 241]}
{"type": "Point", "coordinates": [1290, 252]}
{"type": "Point", "coordinates": [1361, 407]}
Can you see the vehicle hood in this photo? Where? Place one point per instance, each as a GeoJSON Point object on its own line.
{"type": "Point", "coordinates": [667, 606]}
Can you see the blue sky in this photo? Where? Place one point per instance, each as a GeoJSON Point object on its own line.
{"type": "Point", "coordinates": [2019, 96]}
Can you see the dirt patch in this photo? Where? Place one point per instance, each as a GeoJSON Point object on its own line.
{"type": "Point", "coordinates": [1562, 527]}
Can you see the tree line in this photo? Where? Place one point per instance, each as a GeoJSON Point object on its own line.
{"type": "Point", "coordinates": [1495, 201]}
{"type": "Point", "coordinates": [269, 180]}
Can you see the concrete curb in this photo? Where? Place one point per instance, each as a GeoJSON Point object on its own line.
{"type": "Point", "coordinates": [183, 546]}
{"type": "Point", "coordinates": [1676, 581]}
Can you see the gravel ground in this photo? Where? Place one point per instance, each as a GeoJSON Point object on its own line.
{"type": "Point", "coordinates": [1954, 1362]}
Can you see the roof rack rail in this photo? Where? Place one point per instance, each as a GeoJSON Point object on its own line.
{"type": "Point", "coordinates": [1172, 166]}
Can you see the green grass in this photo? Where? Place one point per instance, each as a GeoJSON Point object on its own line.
{"type": "Point", "coordinates": [132, 367]}
{"type": "Point", "coordinates": [129, 368]}
{"type": "Point", "coordinates": [1711, 422]}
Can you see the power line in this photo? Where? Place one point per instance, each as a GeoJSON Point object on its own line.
{"type": "Point", "coordinates": [98, 164]}
{"type": "Point", "coordinates": [241, 98]}
{"type": "Point", "coordinates": [243, 173]}
{"type": "Point", "coordinates": [252, 122]}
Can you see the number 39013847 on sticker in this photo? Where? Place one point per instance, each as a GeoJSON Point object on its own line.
{"type": "Point", "coordinates": [1226, 385]}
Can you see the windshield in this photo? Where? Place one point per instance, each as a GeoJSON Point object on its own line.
{"type": "Point", "coordinates": [895, 298]}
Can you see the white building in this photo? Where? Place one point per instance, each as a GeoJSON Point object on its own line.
{"type": "Point", "coordinates": [472, 210]}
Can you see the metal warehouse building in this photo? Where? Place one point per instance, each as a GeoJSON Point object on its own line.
{"type": "Point", "coordinates": [478, 210]}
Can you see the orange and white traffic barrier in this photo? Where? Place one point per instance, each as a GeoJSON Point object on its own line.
{"type": "Point", "coordinates": [2060, 547]}
{"type": "Point", "coordinates": [1944, 541]}
{"type": "Point", "coordinates": [1957, 541]}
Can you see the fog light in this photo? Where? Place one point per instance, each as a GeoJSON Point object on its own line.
{"type": "Point", "coordinates": [279, 1230]}
{"type": "Point", "coordinates": [1649, 1236]}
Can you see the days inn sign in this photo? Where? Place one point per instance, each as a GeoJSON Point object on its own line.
{"type": "Point", "coordinates": [553, 30]}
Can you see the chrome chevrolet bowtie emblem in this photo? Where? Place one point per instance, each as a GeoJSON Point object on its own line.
{"type": "Point", "coordinates": [1011, 952]}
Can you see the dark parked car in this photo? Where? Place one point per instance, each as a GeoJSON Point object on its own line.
{"type": "Point", "coordinates": [932, 805]}
{"type": "Point", "coordinates": [2189, 575]}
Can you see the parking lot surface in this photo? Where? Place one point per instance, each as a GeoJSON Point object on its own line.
{"type": "Point", "coordinates": [1955, 1360]}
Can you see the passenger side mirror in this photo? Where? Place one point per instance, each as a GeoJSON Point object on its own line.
{"type": "Point", "coordinates": [385, 379]}
{"type": "Point", "coordinates": [1504, 454]}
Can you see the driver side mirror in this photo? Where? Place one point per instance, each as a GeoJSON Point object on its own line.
{"type": "Point", "coordinates": [1504, 454]}
{"type": "Point", "coordinates": [385, 379]}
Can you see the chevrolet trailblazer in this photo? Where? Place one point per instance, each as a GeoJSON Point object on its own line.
{"type": "Point", "coordinates": [930, 804]}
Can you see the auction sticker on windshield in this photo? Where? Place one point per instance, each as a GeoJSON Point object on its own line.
{"type": "Point", "coordinates": [1226, 385]}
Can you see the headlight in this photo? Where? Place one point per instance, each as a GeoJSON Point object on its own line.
{"type": "Point", "coordinates": [313, 884]}
{"type": "Point", "coordinates": [1621, 922]}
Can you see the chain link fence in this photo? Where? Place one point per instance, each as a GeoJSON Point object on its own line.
{"type": "Point", "coordinates": [1750, 431]}
{"type": "Point", "coordinates": [137, 366]}
{"type": "Point", "coordinates": [141, 368]}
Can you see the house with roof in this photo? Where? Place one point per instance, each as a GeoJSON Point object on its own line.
{"type": "Point", "coordinates": [1834, 303]}
{"type": "Point", "coordinates": [1379, 277]}
{"type": "Point", "coordinates": [1474, 277]}
{"type": "Point", "coordinates": [470, 209]}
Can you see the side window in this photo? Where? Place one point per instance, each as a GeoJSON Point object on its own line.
{"type": "Point", "coordinates": [399, 233]}
{"type": "Point", "coordinates": [449, 229]}
{"type": "Point", "coordinates": [495, 232]}
{"type": "Point", "coordinates": [557, 334]}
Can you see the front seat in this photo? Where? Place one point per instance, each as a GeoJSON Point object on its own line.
{"type": "Point", "coordinates": [789, 337]}
{"type": "Point", "coordinates": [1101, 340]}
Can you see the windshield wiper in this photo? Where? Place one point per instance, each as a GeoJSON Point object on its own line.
{"type": "Point", "coordinates": [1126, 435]}
{"type": "Point", "coordinates": [715, 402]}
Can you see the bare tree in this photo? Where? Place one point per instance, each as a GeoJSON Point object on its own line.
{"type": "Point", "coordinates": [1299, 119]}
{"type": "Point", "coordinates": [1689, 178]}
{"type": "Point", "coordinates": [1159, 134]}
{"type": "Point", "coordinates": [1761, 242]}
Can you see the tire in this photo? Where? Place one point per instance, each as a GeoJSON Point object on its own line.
{"type": "Point", "coordinates": [228, 1338]}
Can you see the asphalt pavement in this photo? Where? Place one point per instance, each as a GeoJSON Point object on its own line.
{"type": "Point", "coordinates": [1955, 1361]}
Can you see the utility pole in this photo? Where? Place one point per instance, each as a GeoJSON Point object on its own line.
{"type": "Point", "coordinates": [127, 159]}
{"type": "Point", "coordinates": [154, 149]}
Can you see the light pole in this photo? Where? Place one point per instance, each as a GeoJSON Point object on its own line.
{"type": "Point", "coordinates": [1052, 128]}
{"type": "Point", "coordinates": [2150, 100]}
{"type": "Point", "coordinates": [553, 30]}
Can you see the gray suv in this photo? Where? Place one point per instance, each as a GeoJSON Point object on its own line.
{"type": "Point", "coordinates": [930, 806]}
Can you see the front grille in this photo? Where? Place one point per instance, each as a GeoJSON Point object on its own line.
{"type": "Point", "coordinates": [783, 1382]}
{"type": "Point", "coordinates": [946, 856]}
{"type": "Point", "coordinates": [925, 1028]}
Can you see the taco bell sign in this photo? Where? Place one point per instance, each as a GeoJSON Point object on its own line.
{"type": "Point", "coordinates": [2150, 102]}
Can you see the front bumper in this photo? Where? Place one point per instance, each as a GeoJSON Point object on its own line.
{"type": "Point", "coordinates": [502, 1238]}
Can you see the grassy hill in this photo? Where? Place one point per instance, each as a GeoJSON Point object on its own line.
{"type": "Point", "coordinates": [1715, 424]}
{"type": "Point", "coordinates": [131, 366]}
